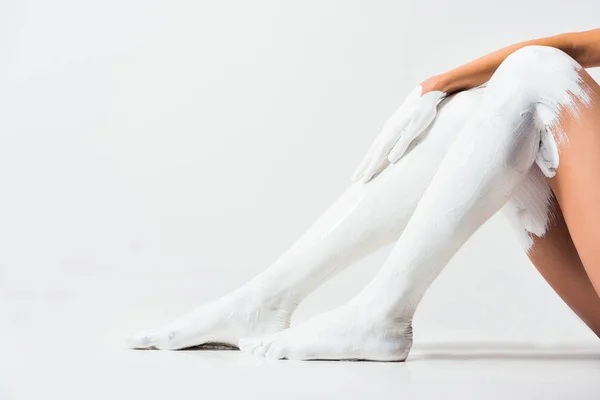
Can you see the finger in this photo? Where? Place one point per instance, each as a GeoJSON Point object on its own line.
{"type": "Point", "coordinates": [414, 95]}
{"type": "Point", "coordinates": [385, 138]}
{"type": "Point", "coordinates": [401, 145]}
{"type": "Point", "coordinates": [547, 157]}
{"type": "Point", "coordinates": [377, 157]}
{"type": "Point", "coordinates": [402, 115]}
{"type": "Point", "coordinates": [397, 122]}
{"type": "Point", "coordinates": [389, 137]}
{"type": "Point", "coordinates": [414, 129]}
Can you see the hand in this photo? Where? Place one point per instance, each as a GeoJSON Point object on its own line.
{"type": "Point", "coordinates": [408, 122]}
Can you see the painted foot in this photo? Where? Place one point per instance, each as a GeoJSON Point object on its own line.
{"type": "Point", "coordinates": [244, 313]}
{"type": "Point", "coordinates": [346, 333]}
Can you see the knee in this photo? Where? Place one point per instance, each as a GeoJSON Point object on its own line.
{"type": "Point", "coordinates": [539, 58]}
{"type": "Point", "coordinates": [539, 74]}
{"type": "Point", "coordinates": [538, 81]}
{"type": "Point", "coordinates": [460, 105]}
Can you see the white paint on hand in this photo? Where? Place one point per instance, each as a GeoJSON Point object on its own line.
{"type": "Point", "coordinates": [404, 126]}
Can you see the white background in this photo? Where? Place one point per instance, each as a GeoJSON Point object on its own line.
{"type": "Point", "coordinates": [157, 154]}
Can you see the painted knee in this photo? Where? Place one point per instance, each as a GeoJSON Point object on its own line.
{"type": "Point", "coordinates": [551, 79]}
{"type": "Point", "coordinates": [539, 58]}
{"type": "Point", "coordinates": [537, 75]}
{"type": "Point", "coordinates": [541, 83]}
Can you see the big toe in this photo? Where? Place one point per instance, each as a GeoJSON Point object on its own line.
{"type": "Point", "coordinates": [249, 345]}
{"type": "Point", "coordinates": [143, 340]}
{"type": "Point", "coordinates": [276, 352]}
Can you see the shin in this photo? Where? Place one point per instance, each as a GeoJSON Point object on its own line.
{"type": "Point", "coordinates": [363, 219]}
{"type": "Point", "coordinates": [487, 164]}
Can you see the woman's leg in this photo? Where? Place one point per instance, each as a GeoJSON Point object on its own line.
{"type": "Point", "coordinates": [577, 181]}
{"type": "Point", "coordinates": [555, 257]}
{"type": "Point", "coordinates": [362, 220]}
{"type": "Point", "coordinates": [554, 254]}
{"type": "Point", "coordinates": [489, 160]}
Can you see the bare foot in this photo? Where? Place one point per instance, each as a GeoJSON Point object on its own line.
{"type": "Point", "coordinates": [346, 333]}
{"type": "Point", "coordinates": [243, 313]}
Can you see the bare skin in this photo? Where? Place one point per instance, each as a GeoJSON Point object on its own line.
{"type": "Point", "coordinates": [577, 189]}
{"type": "Point", "coordinates": [584, 47]}
{"type": "Point", "coordinates": [556, 259]}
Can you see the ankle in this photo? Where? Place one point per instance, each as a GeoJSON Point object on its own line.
{"type": "Point", "coordinates": [267, 296]}
{"type": "Point", "coordinates": [394, 321]}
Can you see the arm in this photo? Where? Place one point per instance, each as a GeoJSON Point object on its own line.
{"type": "Point", "coordinates": [584, 47]}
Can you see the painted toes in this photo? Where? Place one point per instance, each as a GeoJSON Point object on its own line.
{"type": "Point", "coordinates": [142, 340]}
{"type": "Point", "coordinates": [160, 339]}
{"type": "Point", "coordinates": [262, 349]}
{"type": "Point", "coordinates": [249, 345]}
{"type": "Point", "coordinates": [169, 340]}
{"type": "Point", "coordinates": [257, 347]}
{"type": "Point", "coordinates": [275, 352]}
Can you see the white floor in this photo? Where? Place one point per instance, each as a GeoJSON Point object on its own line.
{"type": "Point", "coordinates": [32, 371]}
{"type": "Point", "coordinates": [64, 317]}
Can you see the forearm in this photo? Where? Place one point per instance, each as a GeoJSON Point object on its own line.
{"type": "Point", "coordinates": [584, 47]}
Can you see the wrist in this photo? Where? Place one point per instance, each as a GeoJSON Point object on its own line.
{"type": "Point", "coordinates": [435, 83]}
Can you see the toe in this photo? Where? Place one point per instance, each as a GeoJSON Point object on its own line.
{"type": "Point", "coordinates": [244, 344]}
{"type": "Point", "coordinates": [275, 352]}
{"type": "Point", "coordinates": [249, 345]}
{"type": "Point", "coordinates": [169, 340]}
{"type": "Point", "coordinates": [262, 349]}
{"type": "Point", "coordinates": [141, 340]}
{"type": "Point", "coordinates": [304, 351]}
{"type": "Point", "coordinates": [161, 339]}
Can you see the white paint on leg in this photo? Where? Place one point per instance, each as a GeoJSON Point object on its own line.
{"type": "Point", "coordinates": [491, 157]}
{"type": "Point", "coordinates": [528, 210]}
{"type": "Point", "coordinates": [363, 219]}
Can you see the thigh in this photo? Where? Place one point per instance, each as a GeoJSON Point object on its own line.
{"type": "Point", "coordinates": [555, 257]}
{"type": "Point", "coordinates": [577, 181]}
